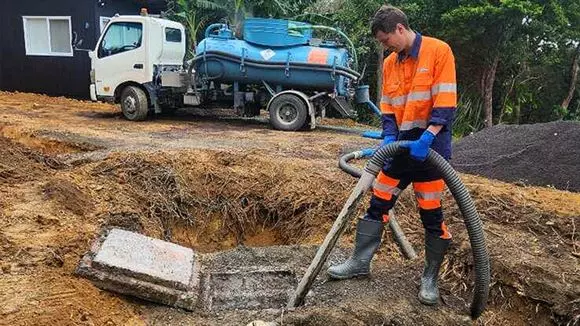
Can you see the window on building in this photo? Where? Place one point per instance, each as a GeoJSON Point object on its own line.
{"type": "Point", "coordinates": [120, 37]}
{"type": "Point", "coordinates": [47, 35]}
{"type": "Point", "coordinates": [172, 35]}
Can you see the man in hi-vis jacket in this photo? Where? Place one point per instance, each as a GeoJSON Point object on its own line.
{"type": "Point", "coordinates": [418, 103]}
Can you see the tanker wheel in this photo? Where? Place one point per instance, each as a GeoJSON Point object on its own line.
{"type": "Point", "coordinates": [288, 112]}
{"type": "Point", "coordinates": [134, 103]}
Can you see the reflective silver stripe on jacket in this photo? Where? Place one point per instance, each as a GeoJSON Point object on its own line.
{"type": "Point", "coordinates": [408, 125]}
{"type": "Point", "coordinates": [398, 101]}
{"type": "Point", "coordinates": [403, 99]}
{"type": "Point", "coordinates": [419, 96]}
{"type": "Point", "coordinates": [444, 88]}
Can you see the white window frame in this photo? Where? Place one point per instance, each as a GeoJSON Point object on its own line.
{"type": "Point", "coordinates": [48, 18]}
{"type": "Point", "coordinates": [102, 24]}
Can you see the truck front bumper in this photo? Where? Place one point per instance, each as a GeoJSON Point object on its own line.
{"type": "Point", "coordinates": [93, 91]}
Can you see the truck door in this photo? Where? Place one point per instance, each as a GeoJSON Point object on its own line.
{"type": "Point", "coordinates": [120, 56]}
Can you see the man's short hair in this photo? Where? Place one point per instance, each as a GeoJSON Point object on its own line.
{"type": "Point", "coordinates": [387, 18]}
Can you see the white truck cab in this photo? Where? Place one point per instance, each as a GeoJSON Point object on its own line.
{"type": "Point", "coordinates": [129, 59]}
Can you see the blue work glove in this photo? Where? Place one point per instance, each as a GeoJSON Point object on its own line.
{"type": "Point", "coordinates": [419, 148]}
{"type": "Point", "coordinates": [387, 140]}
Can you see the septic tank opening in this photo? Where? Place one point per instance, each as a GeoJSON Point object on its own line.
{"type": "Point", "coordinates": [244, 278]}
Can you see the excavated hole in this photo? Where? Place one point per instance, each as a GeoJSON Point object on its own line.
{"type": "Point", "coordinates": [213, 201]}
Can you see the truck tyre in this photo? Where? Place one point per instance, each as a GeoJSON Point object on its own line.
{"type": "Point", "coordinates": [134, 103]}
{"type": "Point", "coordinates": [288, 112]}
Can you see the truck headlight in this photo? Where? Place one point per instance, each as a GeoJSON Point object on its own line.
{"type": "Point", "coordinates": [92, 76]}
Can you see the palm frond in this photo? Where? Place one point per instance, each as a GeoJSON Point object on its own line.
{"type": "Point", "coordinates": [209, 5]}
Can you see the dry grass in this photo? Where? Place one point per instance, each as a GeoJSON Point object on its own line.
{"type": "Point", "coordinates": [246, 191]}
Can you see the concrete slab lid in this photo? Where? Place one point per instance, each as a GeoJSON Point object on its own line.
{"type": "Point", "coordinates": [135, 254]}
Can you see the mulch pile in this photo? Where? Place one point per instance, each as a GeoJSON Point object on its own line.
{"type": "Point", "coordinates": [544, 154]}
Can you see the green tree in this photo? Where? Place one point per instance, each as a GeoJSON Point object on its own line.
{"type": "Point", "coordinates": [483, 32]}
{"type": "Point", "coordinates": [570, 31]}
{"type": "Point", "coordinates": [353, 18]}
{"type": "Point", "coordinates": [193, 14]}
{"type": "Point", "coordinates": [543, 66]}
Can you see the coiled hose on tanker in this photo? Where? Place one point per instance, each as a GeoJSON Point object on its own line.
{"type": "Point", "coordinates": [463, 199]}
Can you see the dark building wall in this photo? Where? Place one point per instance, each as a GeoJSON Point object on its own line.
{"type": "Point", "coordinates": [50, 75]}
{"type": "Point", "coordinates": [108, 8]}
{"type": "Point", "coordinates": [1, 44]}
{"type": "Point", "coordinates": [53, 75]}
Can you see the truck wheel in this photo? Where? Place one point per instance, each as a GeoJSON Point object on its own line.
{"type": "Point", "coordinates": [134, 103]}
{"type": "Point", "coordinates": [288, 112]}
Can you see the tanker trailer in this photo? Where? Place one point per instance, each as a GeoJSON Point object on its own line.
{"type": "Point", "coordinates": [279, 66]}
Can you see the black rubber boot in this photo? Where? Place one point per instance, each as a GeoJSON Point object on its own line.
{"type": "Point", "coordinates": [368, 239]}
{"type": "Point", "coordinates": [435, 249]}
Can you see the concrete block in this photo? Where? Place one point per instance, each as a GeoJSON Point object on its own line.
{"type": "Point", "coordinates": [148, 268]}
{"type": "Point", "coordinates": [253, 290]}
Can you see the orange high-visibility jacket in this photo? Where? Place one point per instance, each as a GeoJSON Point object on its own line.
{"type": "Point", "coordinates": [419, 89]}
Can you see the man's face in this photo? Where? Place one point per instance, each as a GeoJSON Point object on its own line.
{"type": "Point", "coordinates": [393, 41]}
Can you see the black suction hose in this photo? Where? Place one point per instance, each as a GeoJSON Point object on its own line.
{"type": "Point", "coordinates": [398, 234]}
{"type": "Point", "coordinates": [343, 162]}
{"type": "Point", "coordinates": [467, 208]}
{"type": "Point", "coordinates": [308, 65]}
{"type": "Point", "coordinates": [264, 65]}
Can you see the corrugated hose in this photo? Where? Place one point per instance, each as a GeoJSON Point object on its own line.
{"type": "Point", "coordinates": [466, 206]}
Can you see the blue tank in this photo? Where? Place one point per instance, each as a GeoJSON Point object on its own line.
{"type": "Point", "coordinates": [278, 52]}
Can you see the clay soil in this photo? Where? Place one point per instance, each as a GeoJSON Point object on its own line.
{"type": "Point", "coordinates": [226, 186]}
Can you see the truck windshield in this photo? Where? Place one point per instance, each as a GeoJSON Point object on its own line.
{"type": "Point", "coordinates": [120, 37]}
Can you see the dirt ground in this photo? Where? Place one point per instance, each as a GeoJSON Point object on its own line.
{"type": "Point", "coordinates": [70, 168]}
